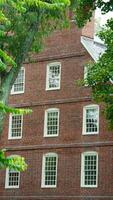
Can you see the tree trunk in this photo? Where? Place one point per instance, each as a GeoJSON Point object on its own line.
{"type": "Point", "coordinates": [8, 81]}
{"type": "Point", "coordinates": [2, 115]}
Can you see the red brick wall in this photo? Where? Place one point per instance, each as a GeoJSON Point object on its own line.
{"type": "Point", "coordinates": [68, 179]}
{"type": "Point", "coordinates": [36, 81]}
{"type": "Point", "coordinates": [71, 121]}
{"type": "Point", "coordinates": [88, 30]}
{"type": "Point", "coordinates": [63, 47]}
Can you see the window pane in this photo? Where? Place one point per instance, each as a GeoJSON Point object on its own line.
{"type": "Point", "coordinates": [90, 170]}
{"type": "Point", "coordinates": [19, 82]}
{"type": "Point", "coordinates": [91, 120]}
{"type": "Point", "coordinates": [52, 123]}
{"type": "Point", "coordinates": [13, 178]}
{"type": "Point", "coordinates": [16, 126]}
{"type": "Point", "coordinates": [54, 76]}
{"type": "Point", "coordinates": [50, 170]}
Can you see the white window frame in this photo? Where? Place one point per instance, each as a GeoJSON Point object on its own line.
{"type": "Point", "coordinates": [19, 92]}
{"type": "Point", "coordinates": [45, 121]}
{"type": "Point", "coordinates": [111, 81]}
{"type": "Point", "coordinates": [43, 170]}
{"type": "Point", "coordinates": [82, 169]}
{"type": "Point", "coordinates": [84, 120]}
{"type": "Point", "coordinates": [10, 127]}
{"type": "Point", "coordinates": [85, 75]}
{"type": "Point", "coordinates": [7, 186]}
{"type": "Point", "coordinates": [47, 76]}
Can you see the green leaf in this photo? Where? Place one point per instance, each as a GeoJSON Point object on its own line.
{"type": "Point", "coordinates": [7, 109]}
{"type": "Point", "coordinates": [12, 162]}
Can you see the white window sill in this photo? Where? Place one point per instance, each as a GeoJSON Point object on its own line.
{"type": "Point", "coordinates": [50, 89]}
{"type": "Point", "coordinates": [89, 186]}
{"type": "Point", "coordinates": [92, 133]}
{"type": "Point", "coordinates": [50, 136]}
{"type": "Point", "coordinates": [13, 93]}
{"type": "Point", "coordinates": [48, 186]}
{"type": "Point", "coordinates": [14, 138]}
{"type": "Point", "coordinates": [11, 187]}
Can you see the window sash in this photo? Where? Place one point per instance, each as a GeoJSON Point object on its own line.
{"type": "Point", "coordinates": [15, 126]}
{"type": "Point", "coordinates": [53, 76]}
{"type": "Point", "coordinates": [51, 124]}
{"type": "Point", "coordinates": [89, 169]}
{"type": "Point", "coordinates": [91, 120]}
{"type": "Point", "coordinates": [19, 84]}
{"type": "Point", "coordinates": [12, 179]}
{"type": "Point", "coordinates": [49, 170]}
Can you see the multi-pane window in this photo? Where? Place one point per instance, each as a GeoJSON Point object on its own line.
{"type": "Point", "coordinates": [18, 86]}
{"type": "Point", "coordinates": [15, 126]}
{"type": "Point", "coordinates": [12, 179]}
{"type": "Point", "coordinates": [91, 119]}
{"type": "Point", "coordinates": [51, 125]}
{"type": "Point", "coordinates": [53, 76]}
{"type": "Point", "coordinates": [89, 169]}
{"type": "Point", "coordinates": [49, 170]}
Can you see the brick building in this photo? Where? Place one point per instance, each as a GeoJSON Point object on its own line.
{"type": "Point", "coordinates": [65, 140]}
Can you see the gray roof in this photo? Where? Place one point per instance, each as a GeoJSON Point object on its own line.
{"type": "Point", "coordinates": [94, 49]}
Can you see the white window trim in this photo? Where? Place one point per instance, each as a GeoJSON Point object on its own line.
{"type": "Point", "coordinates": [19, 92]}
{"type": "Point", "coordinates": [85, 75]}
{"type": "Point", "coordinates": [84, 120]}
{"type": "Point", "coordinates": [47, 76]}
{"type": "Point", "coordinates": [7, 186]}
{"type": "Point", "coordinates": [82, 169]}
{"type": "Point", "coordinates": [111, 81]}
{"type": "Point", "coordinates": [10, 128]}
{"type": "Point", "coordinates": [43, 170]}
{"type": "Point", "coordinates": [45, 122]}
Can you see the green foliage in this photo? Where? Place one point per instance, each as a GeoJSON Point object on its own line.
{"type": "Point", "coordinates": [5, 61]}
{"type": "Point", "coordinates": [105, 6]}
{"type": "Point", "coordinates": [109, 113]}
{"type": "Point", "coordinates": [21, 15]}
{"type": "Point", "coordinates": [24, 24]}
{"type": "Point", "coordinates": [12, 162]}
{"type": "Point", "coordinates": [100, 74]}
{"type": "Point", "coordinates": [83, 9]}
{"type": "Point", "coordinates": [7, 109]}
{"type": "Point", "coordinates": [18, 19]}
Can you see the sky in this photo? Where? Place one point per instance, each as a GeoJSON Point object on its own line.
{"type": "Point", "coordinates": [102, 18]}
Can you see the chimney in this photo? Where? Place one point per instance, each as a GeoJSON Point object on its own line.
{"type": "Point", "coordinates": [88, 30]}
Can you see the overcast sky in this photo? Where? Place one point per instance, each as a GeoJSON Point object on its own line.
{"type": "Point", "coordinates": [102, 18]}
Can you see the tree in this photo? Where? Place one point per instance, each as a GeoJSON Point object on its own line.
{"type": "Point", "coordinates": [12, 162]}
{"type": "Point", "coordinates": [100, 74]}
{"type": "Point", "coordinates": [23, 24]}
